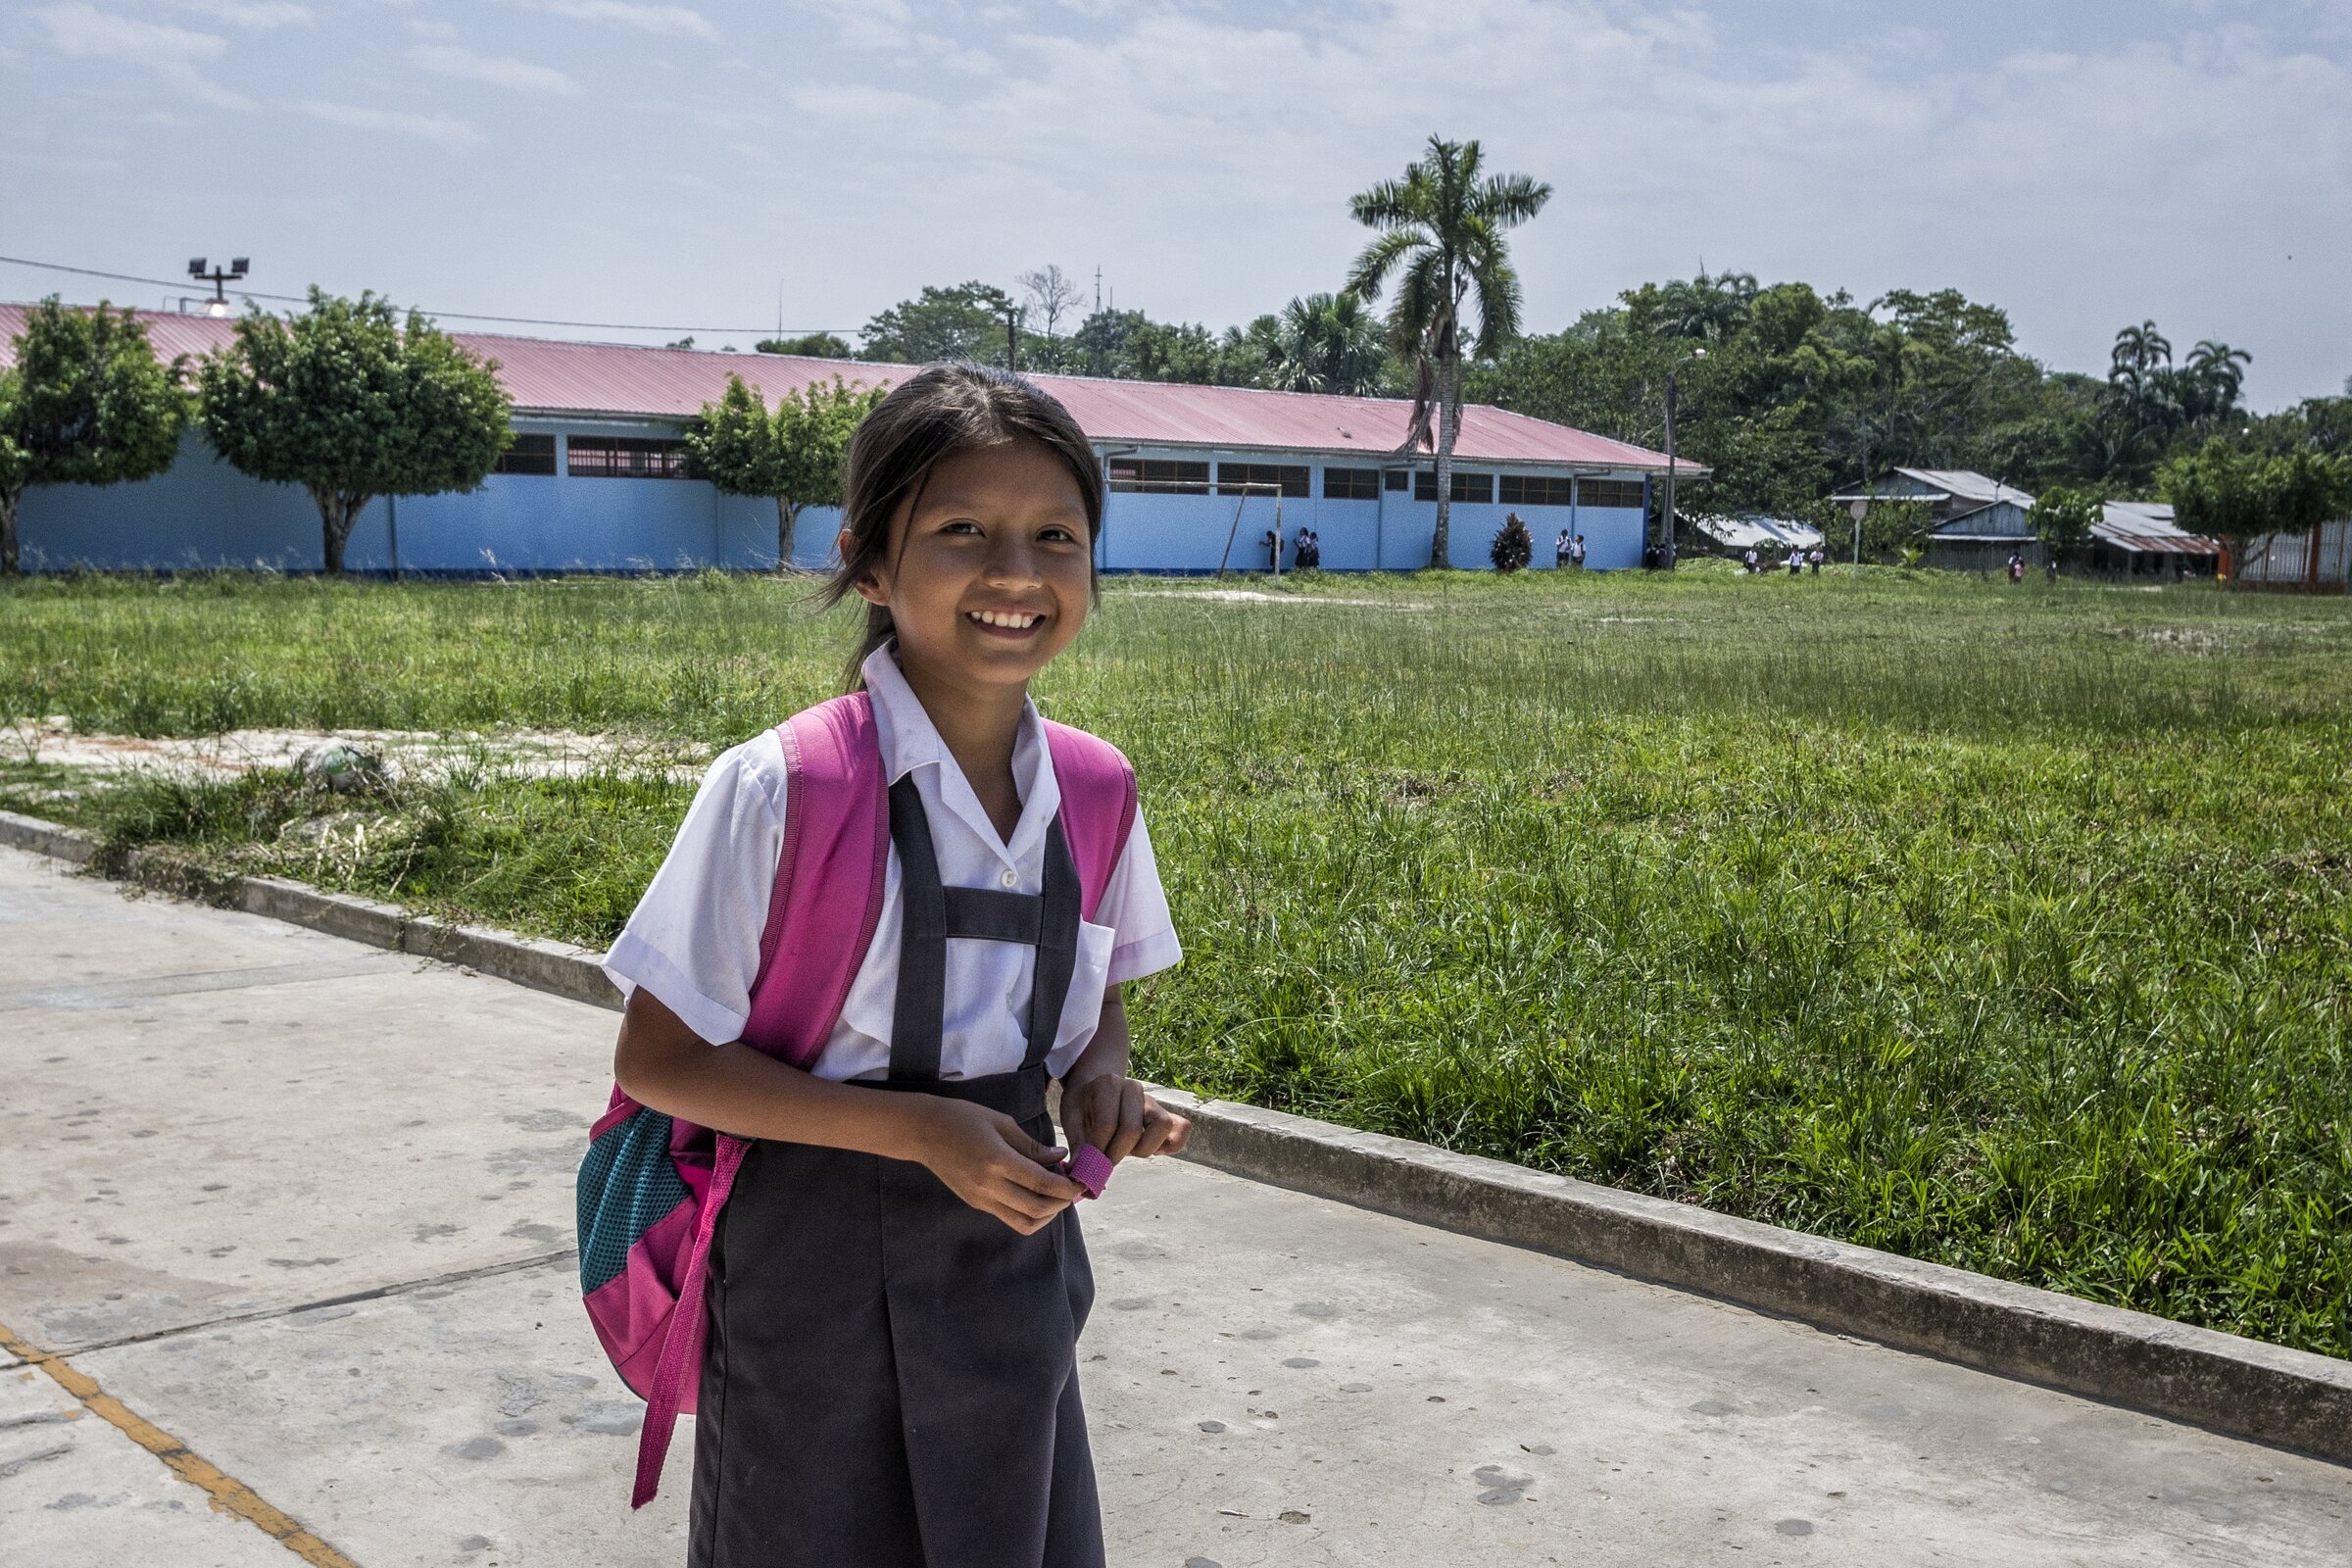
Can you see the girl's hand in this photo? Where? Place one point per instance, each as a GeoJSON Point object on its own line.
{"type": "Point", "coordinates": [989, 1163]}
{"type": "Point", "coordinates": [1112, 1113]}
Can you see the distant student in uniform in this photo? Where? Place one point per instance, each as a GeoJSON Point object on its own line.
{"type": "Point", "coordinates": [1813, 559]}
{"type": "Point", "coordinates": [1575, 552]}
{"type": "Point", "coordinates": [898, 1281]}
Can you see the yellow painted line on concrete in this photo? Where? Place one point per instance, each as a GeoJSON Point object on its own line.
{"type": "Point", "coordinates": [228, 1492]}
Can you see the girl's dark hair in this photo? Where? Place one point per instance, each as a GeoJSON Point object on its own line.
{"type": "Point", "coordinates": [930, 416]}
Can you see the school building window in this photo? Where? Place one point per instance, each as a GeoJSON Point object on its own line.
{"type": "Point", "coordinates": [1351, 485]}
{"type": "Point", "coordinates": [1396, 479]}
{"type": "Point", "coordinates": [1608, 493]}
{"type": "Point", "coordinates": [1537, 489]}
{"type": "Point", "coordinates": [530, 454]}
{"type": "Point", "coordinates": [624, 456]}
{"type": "Point", "coordinates": [1262, 478]}
{"type": "Point", "coordinates": [1159, 476]}
{"type": "Point", "coordinates": [1465, 486]}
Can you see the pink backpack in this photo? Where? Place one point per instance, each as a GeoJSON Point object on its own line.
{"type": "Point", "coordinates": [651, 1186]}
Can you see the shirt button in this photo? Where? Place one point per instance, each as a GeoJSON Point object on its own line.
{"type": "Point", "coordinates": [1009, 878]}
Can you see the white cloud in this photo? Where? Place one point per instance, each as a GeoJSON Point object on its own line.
{"type": "Point", "coordinates": [676, 19]}
{"type": "Point", "coordinates": [258, 14]}
{"type": "Point", "coordinates": [441, 129]}
{"type": "Point", "coordinates": [1206, 157]}
{"type": "Point", "coordinates": [172, 53]}
{"type": "Point", "coordinates": [517, 75]}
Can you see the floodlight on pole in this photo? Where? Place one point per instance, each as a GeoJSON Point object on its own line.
{"type": "Point", "coordinates": [219, 277]}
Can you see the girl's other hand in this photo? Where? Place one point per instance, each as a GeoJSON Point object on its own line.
{"type": "Point", "coordinates": [1112, 1113]}
{"type": "Point", "coordinates": [989, 1163]}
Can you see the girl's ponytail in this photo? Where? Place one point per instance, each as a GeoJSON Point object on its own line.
{"type": "Point", "coordinates": [930, 416]}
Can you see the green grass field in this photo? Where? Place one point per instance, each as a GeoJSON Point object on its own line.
{"type": "Point", "coordinates": [2010, 928]}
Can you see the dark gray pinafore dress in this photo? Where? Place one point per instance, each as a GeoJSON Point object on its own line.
{"type": "Point", "coordinates": [891, 1380]}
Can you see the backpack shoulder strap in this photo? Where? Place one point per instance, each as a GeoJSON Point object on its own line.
{"type": "Point", "coordinates": [829, 874]}
{"type": "Point", "coordinates": [1097, 806]}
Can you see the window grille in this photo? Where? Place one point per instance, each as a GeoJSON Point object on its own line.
{"type": "Point", "coordinates": [530, 454]}
{"type": "Point", "coordinates": [1537, 489]}
{"type": "Point", "coordinates": [1159, 476]}
{"type": "Point", "coordinates": [1351, 485]}
{"type": "Point", "coordinates": [1609, 493]}
{"type": "Point", "coordinates": [625, 456]}
{"type": "Point", "coordinates": [1466, 486]}
{"type": "Point", "coordinates": [1260, 478]}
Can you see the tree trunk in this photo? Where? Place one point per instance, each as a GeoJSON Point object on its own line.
{"type": "Point", "coordinates": [337, 512]}
{"type": "Point", "coordinates": [788, 512]}
{"type": "Point", "coordinates": [1441, 542]}
{"type": "Point", "coordinates": [7, 529]}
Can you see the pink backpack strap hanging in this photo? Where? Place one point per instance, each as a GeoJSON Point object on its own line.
{"type": "Point", "coordinates": [652, 1187]}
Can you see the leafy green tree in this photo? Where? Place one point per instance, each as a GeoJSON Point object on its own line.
{"type": "Point", "coordinates": [1439, 232]}
{"type": "Point", "coordinates": [2062, 520]}
{"type": "Point", "coordinates": [2242, 499]}
{"type": "Point", "coordinates": [2319, 425]}
{"type": "Point", "coordinates": [966, 321]}
{"type": "Point", "coordinates": [1326, 343]}
{"type": "Point", "coordinates": [84, 402]}
{"type": "Point", "coordinates": [1891, 531]}
{"type": "Point", "coordinates": [351, 402]}
{"type": "Point", "coordinates": [793, 454]}
{"type": "Point", "coordinates": [816, 346]}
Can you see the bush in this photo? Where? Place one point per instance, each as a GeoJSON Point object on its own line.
{"type": "Point", "coordinates": [1513, 548]}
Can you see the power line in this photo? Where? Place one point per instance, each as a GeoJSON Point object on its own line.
{"type": "Point", "coordinates": [453, 315]}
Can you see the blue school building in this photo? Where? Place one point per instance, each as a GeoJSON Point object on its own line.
{"type": "Point", "coordinates": [597, 479]}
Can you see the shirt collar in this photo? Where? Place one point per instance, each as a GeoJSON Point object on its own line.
{"type": "Point", "coordinates": [909, 740]}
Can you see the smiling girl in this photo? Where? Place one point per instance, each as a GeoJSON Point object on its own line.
{"type": "Point", "coordinates": [928, 896]}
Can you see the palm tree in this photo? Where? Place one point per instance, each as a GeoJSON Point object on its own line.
{"type": "Point", "coordinates": [1440, 232]}
{"type": "Point", "coordinates": [2216, 373]}
{"type": "Point", "coordinates": [1327, 343]}
{"type": "Point", "coordinates": [2142, 385]}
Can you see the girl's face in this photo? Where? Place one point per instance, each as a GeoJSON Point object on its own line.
{"type": "Point", "coordinates": [987, 578]}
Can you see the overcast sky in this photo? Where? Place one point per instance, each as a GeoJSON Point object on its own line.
{"type": "Point", "coordinates": [2083, 163]}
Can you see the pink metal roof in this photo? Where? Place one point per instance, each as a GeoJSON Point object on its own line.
{"type": "Point", "coordinates": [558, 376]}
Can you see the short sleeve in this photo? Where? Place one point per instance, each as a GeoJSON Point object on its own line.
{"type": "Point", "coordinates": [693, 939]}
{"type": "Point", "coordinates": [1135, 908]}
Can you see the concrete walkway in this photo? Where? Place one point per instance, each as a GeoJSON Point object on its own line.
{"type": "Point", "coordinates": [297, 1212]}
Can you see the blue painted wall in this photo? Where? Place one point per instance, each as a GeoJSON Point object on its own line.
{"type": "Point", "coordinates": [1146, 532]}
{"type": "Point", "coordinates": [204, 514]}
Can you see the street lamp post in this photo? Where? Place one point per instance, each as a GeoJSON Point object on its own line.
{"type": "Point", "coordinates": [1666, 550]}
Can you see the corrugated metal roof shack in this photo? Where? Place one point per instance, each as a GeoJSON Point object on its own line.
{"type": "Point", "coordinates": [1975, 523]}
{"type": "Point", "coordinates": [596, 479]}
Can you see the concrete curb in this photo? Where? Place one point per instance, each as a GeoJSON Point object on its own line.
{"type": "Point", "coordinates": [2232, 1385]}
{"type": "Point", "coordinates": [554, 967]}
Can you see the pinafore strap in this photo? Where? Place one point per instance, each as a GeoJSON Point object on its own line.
{"type": "Point", "coordinates": [931, 913]}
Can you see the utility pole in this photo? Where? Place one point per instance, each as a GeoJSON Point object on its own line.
{"type": "Point", "coordinates": [1013, 338]}
{"type": "Point", "coordinates": [1094, 356]}
{"type": "Point", "coordinates": [1666, 551]}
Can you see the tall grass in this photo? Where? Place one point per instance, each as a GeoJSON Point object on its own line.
{"type": "Point", "coordinates": [2002, 927]}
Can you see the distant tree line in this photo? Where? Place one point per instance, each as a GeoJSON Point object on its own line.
{"type": "Point", "coordinates": [1801, 395]}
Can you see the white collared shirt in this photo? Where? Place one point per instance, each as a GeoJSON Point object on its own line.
{"type": "Point", "coordinates": [693, 939]}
